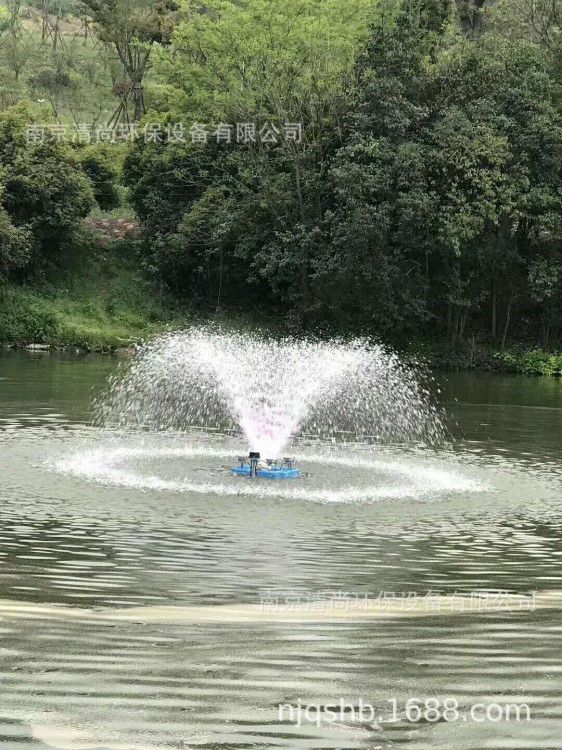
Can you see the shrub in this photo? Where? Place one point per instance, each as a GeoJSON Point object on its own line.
{"type": "Point", "coordinates": [16, 245]}
{"type": "Point", "coordinates": [99, 168]}
{"type": "Point", "coordinates": [532, 362]}
{"type": "Point", "coordinates": [44, 192]}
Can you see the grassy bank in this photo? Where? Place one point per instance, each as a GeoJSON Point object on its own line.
{"type": "Point", "coordinates": [101, 301]}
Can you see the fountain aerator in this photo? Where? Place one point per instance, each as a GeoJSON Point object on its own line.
{"type": "Point", "coordinates": [254, 460]}
{"type": "Point", "coordinates": [250, 467]}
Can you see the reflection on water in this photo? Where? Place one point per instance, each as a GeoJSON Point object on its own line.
{"type": "Point", "coordinates": [65, 538]}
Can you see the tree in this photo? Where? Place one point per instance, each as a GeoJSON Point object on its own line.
{"type": "Point", "coordinates": [509, 87]}
{"type": "Point", "coordinates": [17, 52]}
{"type": "Point", "coordinates": [382, 227]}
{"type": "Point", "coordinates": [425, 195]}
{"type": "Point", "coordinates": [132, 28]}
{"type": "Point", "coordinates": [16, 245]}
{"type": "Point", "coordinates": [268, 64]}
{"type": "Point", "coordinates": [44, 195]}
{"type": "Point", "coordinates": [56, 85]}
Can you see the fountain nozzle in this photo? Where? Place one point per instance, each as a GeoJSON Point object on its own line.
{"type": "Point", "coordinates": [254, 458]}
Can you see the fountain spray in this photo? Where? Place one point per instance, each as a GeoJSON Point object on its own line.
{"type": "Point", "coordinates": [271, 390]}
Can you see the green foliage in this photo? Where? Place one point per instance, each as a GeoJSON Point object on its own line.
{"type": "Point", "coordinates": [219, 217]}
{"type": "Point", "coordinates": [533, 362]}
{"type": "Point", "coordinates": [104, 301]}
{"type": "Point", "coordinates": [426, 191]}
{"type": "Point", "coordinates": [99, 165]}
{"type": "Point", "coordinates": [283, 59]}
{"type": "Point", "coordinates": [16, 245]}
{"type": "Point", "coordinates": [424, 200]}
{"type": "Point", "coordinates": [46, 191]}
{"type": "Point", "coordinates": [66, 75]}
{"type": "Point", "coordinates": [44, 195]}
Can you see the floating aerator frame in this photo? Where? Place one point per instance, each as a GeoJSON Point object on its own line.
{"type": "Point", "coordinates": [250, 467]}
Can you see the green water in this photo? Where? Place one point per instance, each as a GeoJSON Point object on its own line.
{"type": "Point", "coordinates": [146, 520]}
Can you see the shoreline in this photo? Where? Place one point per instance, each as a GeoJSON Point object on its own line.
{"type": "Point", "coordinates": [517, 360]}
{"type": "Point", "coordinates": [125, 349]}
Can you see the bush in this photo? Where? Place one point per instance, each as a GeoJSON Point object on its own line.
{"type": "Point", "coordinates": [99, 168]}
{"type": "Point", "coordinates": [44, 192]}
{"type": "Point", "coordinates": [16, 245]}
{"type": "Point", "coordinates": [533, 362]}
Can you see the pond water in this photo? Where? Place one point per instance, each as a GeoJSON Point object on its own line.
{"type": "Point", "coordinates": [91, 525]}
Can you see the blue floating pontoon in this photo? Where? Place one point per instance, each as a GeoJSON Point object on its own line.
{"type": "Point", "coordinates": [275, 470]}
{"type": "Point", "coordinates": [246, 471]}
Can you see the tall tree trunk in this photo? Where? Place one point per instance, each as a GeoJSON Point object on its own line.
{"type": "Point", "coordinates": [219, 293]}
{"type": "Point", "coordinates": [138, 101]}
{"type": "Point", "coordinates": [43, 20]}
{"type": "Point", "coordinates": [507, 322]}
{"type": "Point", "coordinates": [470, 14]}
{"type": "Point", "coordinates": [494, 311]}
{"type": "Point", "coordinates": [464, 316]}
{"type": "Point", "coordinates": [455, 327]}
{"type": "Point", "coordinates": [546, 333]}
{"type": "Point", "coordinates": [209, 278]}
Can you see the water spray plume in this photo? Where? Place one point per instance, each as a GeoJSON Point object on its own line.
{"type": "Point", "coordinates": [271, 390]}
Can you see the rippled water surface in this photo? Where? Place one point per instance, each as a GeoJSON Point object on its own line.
{"type": "Point", "coordinates": [97, 522]}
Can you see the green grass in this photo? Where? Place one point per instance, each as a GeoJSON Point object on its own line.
{"type": "Point", "coordinates": [104, 301]}
{"type": "Point", "coordinates": [123, 211]}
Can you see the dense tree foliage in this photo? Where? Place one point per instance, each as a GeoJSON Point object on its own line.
{"type": "Point", "coordinates": [45, 192]}
{"type": "Point", "coordinates": [424, 196]}
{"type": "Point", "coordinates": [392, 167]}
